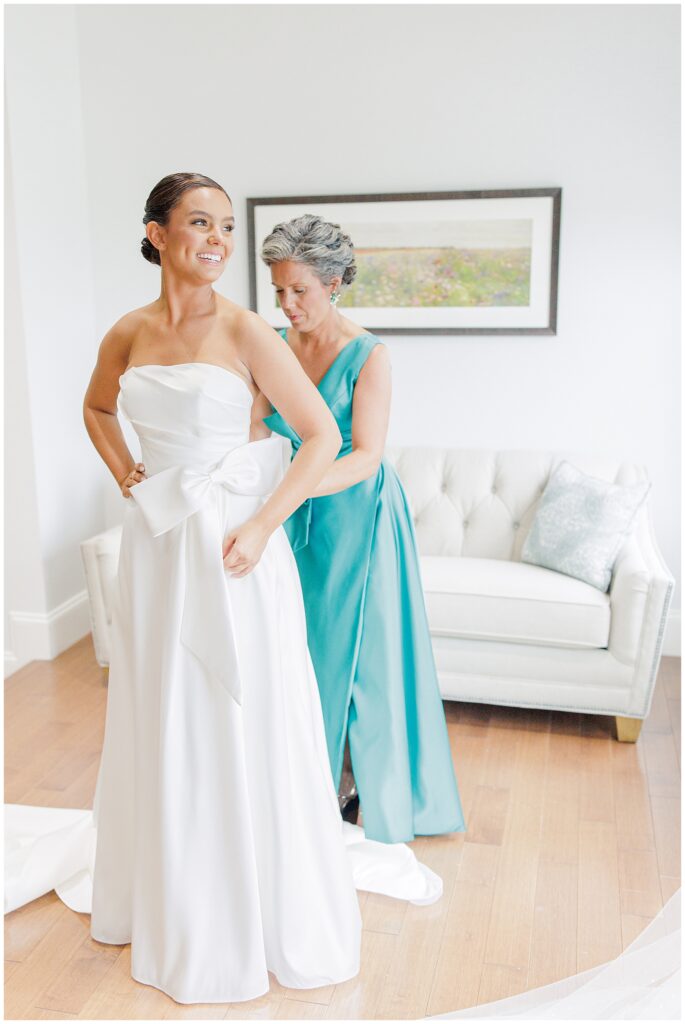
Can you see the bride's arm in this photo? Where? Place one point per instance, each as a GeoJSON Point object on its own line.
{"type": "Point", "coordinates": [370, 415]}
{"type": "Point", "coordinates": [100, 409]}
{"type": "Point", "coordinates": [281, 379]}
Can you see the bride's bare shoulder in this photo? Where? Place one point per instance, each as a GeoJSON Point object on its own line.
{"type": "Point", "coordinates": [242, 324]}
{"type": "Point", "coordinates": [119, 339]}
{"type": "Point", "coordinates": [130, 323]}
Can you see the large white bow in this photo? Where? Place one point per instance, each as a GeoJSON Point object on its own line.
{"type": "Point", "coordinates": [182, 494]}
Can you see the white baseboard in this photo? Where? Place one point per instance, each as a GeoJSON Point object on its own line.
{"type": "Point", "coordinates": [11, 663]}
{"type": "Point", "coordinates": [672, 635]}
{"type": "Point", "coordinates": [39, 636]}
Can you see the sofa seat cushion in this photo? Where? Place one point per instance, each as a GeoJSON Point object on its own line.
{"type": "Point", "coordinates": [493, 599]}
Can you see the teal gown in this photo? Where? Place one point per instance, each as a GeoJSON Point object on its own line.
{"type": "Point", "coordinates": [368, 636]}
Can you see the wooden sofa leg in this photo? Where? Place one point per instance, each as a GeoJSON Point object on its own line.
{"type": "Point", "coordinates": [628, 729]}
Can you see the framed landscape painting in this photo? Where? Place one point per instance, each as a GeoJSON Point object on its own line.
{"type": "Point", "coordinates": [433, 262]}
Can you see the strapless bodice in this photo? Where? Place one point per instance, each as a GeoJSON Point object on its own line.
{"type": "Point", "coordinates": [203, 477]}
{"type": "Point", "coordinates": [186, 414]}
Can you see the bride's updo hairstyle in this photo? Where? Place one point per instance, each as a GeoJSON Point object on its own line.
{"type": "Point", "coordinates": [309, 239]}
{"type": "Point", "coordinates": [164, 197]}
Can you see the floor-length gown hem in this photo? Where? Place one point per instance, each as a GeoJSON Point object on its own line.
{"type": "Point", "coordinates": [310, 983]}
{"type": "Point", "coordinates": [110, 942]}
{"type": "Point", "coordinates": [282, 979]}
{"type": "Point", "coordinates": [199, 998]}
{"type": "Point", "coordinates": [445, 830]}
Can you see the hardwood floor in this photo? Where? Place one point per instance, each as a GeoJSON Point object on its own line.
{"type": "Point", "coordinates": [573, 845]}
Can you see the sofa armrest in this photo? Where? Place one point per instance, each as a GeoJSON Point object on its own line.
{"type": "Point", "coordinates": [100, 556]}
{"type": "Point", "coordinates": [628, 594]}
{"type": "Point", "coordinates": [640, 594]}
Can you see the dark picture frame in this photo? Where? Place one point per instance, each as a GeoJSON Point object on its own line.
{"type": "Point", "coordinates": [469, 262]}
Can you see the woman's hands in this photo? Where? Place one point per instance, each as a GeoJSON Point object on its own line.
{"type": "Point", "coordinates": [244, 546]}
{"type": "Point", "coordinates": [133, 477]}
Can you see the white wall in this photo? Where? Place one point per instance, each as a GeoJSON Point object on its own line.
{"type": "Point", "coordinates": [310, 100]}
{"type": "Point", "coordinates": [51, 327]}
{"type": "Point", "coordinates": [296, 100]}
{"type": "Point", "coordinates": [24, 581]}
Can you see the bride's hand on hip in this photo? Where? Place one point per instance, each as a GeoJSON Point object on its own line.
{"type": "Point", "coordinates": [132, 478]}
{"type": "Point", "coordinates": [243, 547]}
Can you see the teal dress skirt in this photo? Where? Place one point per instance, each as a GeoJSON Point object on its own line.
{"type": "Point", "coordinates": [368, 636]}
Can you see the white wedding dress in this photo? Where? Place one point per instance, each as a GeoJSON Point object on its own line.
{"type": "Point", "coordinates": [220, 854]}
{"type": "Point", "coordinates": [215, 845]}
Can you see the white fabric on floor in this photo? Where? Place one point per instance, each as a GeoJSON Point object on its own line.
{"type": "Point", "coordinates": [389, 868]}
{"type": "Point", "coordinates": [50, 848]}
{"type": "Point", "coordinates": [643, 983]}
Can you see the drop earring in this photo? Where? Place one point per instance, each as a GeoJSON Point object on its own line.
{"type": "Point", "coordinates": [334, 298]}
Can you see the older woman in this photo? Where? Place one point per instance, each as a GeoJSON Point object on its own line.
{"type": "Point", "coordinates": [356, 553]}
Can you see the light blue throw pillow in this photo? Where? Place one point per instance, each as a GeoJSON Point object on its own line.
{"type": "Point", "coordinates": [581, 523]}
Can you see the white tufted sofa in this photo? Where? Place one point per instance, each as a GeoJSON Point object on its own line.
{"type": "Point", "coordinates": [505, 632]}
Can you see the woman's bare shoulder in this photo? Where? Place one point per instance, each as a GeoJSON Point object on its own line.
{"type": "Point", "coordinates": [132, 321]}
{"type": "Point", "coordinates": [352, 330]}
{"type": "Point", "coordinates": [377, 368]}
{"type": "Point", "coordinates": [119, 339]}
{"type": "Point", "coordinates": [243, 325]}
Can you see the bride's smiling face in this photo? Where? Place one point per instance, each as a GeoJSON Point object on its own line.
{"type": "Point", "coordinates": [197, 239]}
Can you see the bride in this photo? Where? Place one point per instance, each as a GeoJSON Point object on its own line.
{"type": "Point", "coordinates": [220, 853]}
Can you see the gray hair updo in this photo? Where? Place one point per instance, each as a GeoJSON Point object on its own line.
{"type": "Point", "coordinates": [311, 240]}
